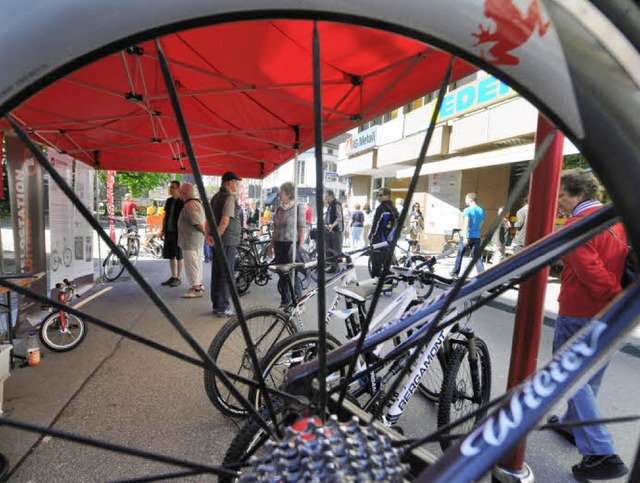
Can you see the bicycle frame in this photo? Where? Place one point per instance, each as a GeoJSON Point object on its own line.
{"type": "Point", "coordinates": [428, 315]}
{"type": "Point", "coordinates": [345, 278]}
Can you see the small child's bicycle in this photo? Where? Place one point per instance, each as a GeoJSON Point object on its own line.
{"type": "Point", "coordinates": [61, 331]}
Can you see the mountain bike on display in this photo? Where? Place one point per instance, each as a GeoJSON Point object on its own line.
{"type": "Point", "coordinates": [128, 246]}
{"type": "Point", "coordinates": [251, 260]}
{"type": "Point", "coordinates": [162, 99]}
{"type": "Point", "coordinates": [152, 245]}
{"type": "Point", "coordinates": [266, 326]}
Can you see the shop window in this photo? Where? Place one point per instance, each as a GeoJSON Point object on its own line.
{"type": "Point", "coordinates": [462, 82]}
{"type": "Point", "coordinates": [300, 178]}
{"type": "Point", "coordinates": [390, 116]}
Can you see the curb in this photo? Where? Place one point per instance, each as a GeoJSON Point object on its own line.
{"type": "Point", "coordinates": [630, 348]}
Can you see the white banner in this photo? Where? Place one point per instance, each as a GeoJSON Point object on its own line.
{"type": "Point", "coordinates": [443, 202]}
{"type": "Point", "coordinates": [71, 241]}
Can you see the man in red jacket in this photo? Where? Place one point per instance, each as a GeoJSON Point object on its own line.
{"type": "Point", "coordinates": [590, 280]}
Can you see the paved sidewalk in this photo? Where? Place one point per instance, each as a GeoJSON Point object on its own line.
{"type": "Point", "coordinates": [114, 389]}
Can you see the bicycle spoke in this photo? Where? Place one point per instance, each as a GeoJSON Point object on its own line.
{"type": "Point", "coordinates": [453, 293]}
{"type": "Point", "coordinates": [322, 300]}
{"type": "Point", "coordinates": [364, 331]}
{"type": "Point", "coordinates": [186, 140]}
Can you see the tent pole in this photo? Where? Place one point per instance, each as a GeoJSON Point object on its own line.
{"type": "Point", "coordinates": [543, 200]}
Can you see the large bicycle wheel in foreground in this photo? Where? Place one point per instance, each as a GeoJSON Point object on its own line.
{"type": "Point", "coordinates": [565, 57]}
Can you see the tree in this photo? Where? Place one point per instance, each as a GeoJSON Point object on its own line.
{"type": "Point", "coordinates": [139, 184]}
{"type": "Point", "coordinates": [572, 161]}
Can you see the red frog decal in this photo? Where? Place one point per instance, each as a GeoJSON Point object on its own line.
{"type": "Point", "coordinates": [512, 29]}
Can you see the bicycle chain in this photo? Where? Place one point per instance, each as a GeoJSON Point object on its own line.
{"type": "Point", "coordinates": [333, 452]}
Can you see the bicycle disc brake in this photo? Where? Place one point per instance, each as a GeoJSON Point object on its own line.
{"type": "Point", "coordinates": [331, 452]}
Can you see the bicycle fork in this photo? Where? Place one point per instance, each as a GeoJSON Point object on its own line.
{"type": "Point", "coordinates": [62, 297]}
{"type": "Point", "coordinates": [470, 335]}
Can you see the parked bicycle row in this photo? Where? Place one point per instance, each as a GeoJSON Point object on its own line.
{"type": "Point", "coordinates": [454, 370]}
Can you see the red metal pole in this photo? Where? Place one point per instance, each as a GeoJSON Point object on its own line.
{"type": "Point", "coordinates": [543, 200]}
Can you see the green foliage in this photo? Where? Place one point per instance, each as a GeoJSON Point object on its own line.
{"type": "Point", "coordinates": [139, 184]}
{"type": "Point", "coordinates": [572, 161]}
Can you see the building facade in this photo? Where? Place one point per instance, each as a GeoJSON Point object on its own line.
{"type": "Point", "coordinates": [303, 174]}
{"type": "Point", "coordinates": [483, 141]}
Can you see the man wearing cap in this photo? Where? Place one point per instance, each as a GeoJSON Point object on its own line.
{"type": "Point", "coordinates": [384, 220]}
{"type": "Point", "coordinates": [228, 216]}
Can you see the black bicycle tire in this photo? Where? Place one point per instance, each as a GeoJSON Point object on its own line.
{"type": "Point", "coordinates": [278, 350]}
{"type": "Point", "coordinates": [220, 397]}
{"type": "Point", "coordinates": [244, 276]}
{"type": "Point", "coordinates": [112, 257]}
{"type": "Point", "coordinates": [251, 436]}
{"type": "Point", "coordinates": [134, 252]}
{"type": "Point", "coordinates": [4, 467]}
{"type": "Point", "coordinates": [156, 251]}
{"type": "Point", "coordinates": [450, 385]}
{"type": "Point", "coordinates": [431, 383]}
{"type": "Point", "coordinates": [46, 340]}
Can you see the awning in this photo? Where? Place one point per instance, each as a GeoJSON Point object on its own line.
{"type": "Point", "coordinates": [245, 89]}
{"type": "Point", "coordinates": [482, 160]}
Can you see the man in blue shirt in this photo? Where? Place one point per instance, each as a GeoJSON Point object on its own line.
{"type": "Point", "coordinates": [473, 217]}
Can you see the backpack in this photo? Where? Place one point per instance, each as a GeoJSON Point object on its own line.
{"type": "Point", "coordinates": [389, 225]}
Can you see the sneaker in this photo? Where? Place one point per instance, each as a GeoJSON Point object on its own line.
{"type": "Point", "coordinates": [176, 282]}
{"type": "Point", "coordinates": [566, 434]}
{"type": "Point", "coordinates": [167, 281]}
{"type": "Point", "coordinates": [193, 293]}
{"type": "Point", "coordinates": [599, 467]}
{"type": "Point", "coordinates": [223, 314]}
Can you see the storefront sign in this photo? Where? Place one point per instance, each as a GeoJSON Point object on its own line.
{"type": "Point", "coordinates": [362, 141]}
{"type": "Point", "coordinates": [474, 96]}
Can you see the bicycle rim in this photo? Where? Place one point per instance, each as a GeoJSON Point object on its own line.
{"type": "Point", "coordinates": [58, 340]}
{"type": "Point", "coordinates": [609, 141]}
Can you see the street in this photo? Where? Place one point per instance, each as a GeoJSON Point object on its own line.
{"type": "Point", "coordinates": [117, 390]}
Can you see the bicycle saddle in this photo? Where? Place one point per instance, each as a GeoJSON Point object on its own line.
{"type": "Point", "coordinates": [286, 267]}
{"type": "Point", "coordinates": [357, 293]}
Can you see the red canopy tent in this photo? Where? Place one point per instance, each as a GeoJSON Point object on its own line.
{"type": "Point", "coordinates": [245, 89]}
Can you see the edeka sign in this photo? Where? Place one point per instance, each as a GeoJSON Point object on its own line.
{"type": "Point", "coordinates": [471, 97]}
{"type": "Point", "coordinates": [362, 141]}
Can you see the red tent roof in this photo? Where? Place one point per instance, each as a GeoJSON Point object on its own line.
{"type": "Point", "coordinates": [245, 89]}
